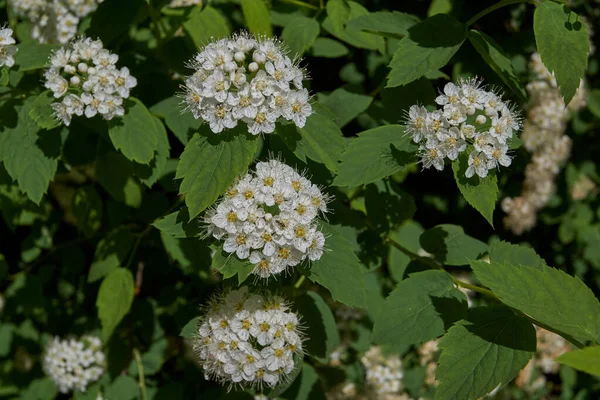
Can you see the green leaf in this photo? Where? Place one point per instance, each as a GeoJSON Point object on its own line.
{"type": "Point", "coordinates": [135, 135]}
{"type": "Point", "coordinates": [4, 77]}
{"type": "Point", "coordinates": [387, 205]}
{"type": "Point", "coordinates": [87, 209]}
{"type": "Point", "coordinates": [328, 48]}
{"type": "Point", "coordinates": [593, 101]}
{"type": "Point", "coordinates": [209, 165]}
{"type": "Point", "coordinates": [305, 386]}
{"type": "Point", "coordinates": [481, 193]}
{"type": "Point", "coordinates": [407, 235]}
{"type": "Point", "coordinates": [450, 245]}
{"type": "Point", "coordinates": [345, 105]}
{"type": "Point", "coordinates": [300, 33]}
{"type": "Point", "coordinates": [561, 302]}
{"type": "Point", "coordinates": [338, 12]}
{"type": "Point", "coordinates": [320, 139]}
{"type": "Point", "coordinates": [116, 175]}
{"type": "Point", "coordinates": [485, 350]}
{"type": "Point", "coordinates": [33, 55]}
{"type": "Point", "coordinates": [28, 159]}
{"type": "Point", "coordinates": [205, 24]}
{"type": "Point", "coordinates": [563, 43]}
{"type": "Point", "coordinates": [179, 225]}
{"type": "Point", "coordinates": [41, 111]}
{"type": "Point", "coordinates": [439, 7]}
{"type": "Point", "coordinates": [6, 338]}
{"type": "Point", "coordinates": [257, 17]}
{"type": "Point", "coordinates": [191, 328]}
{"type": "Point", "coordinates": [182, 124]}
{"type": "Point", "coordinates": [495, 57]}
{"type": "Point", "coordinates": [229, 265]}
{"type": "Point", "coordinates": [40, 389]}
{"type": "Point", "coordinates": [190, 254]}
{"type": "Point", "coordinates": [316, 315]}
{"type": "Point", "coordinates": [113, 18]}
{"type": "Point", "coordinates": [393, 24]}
{"type": "Point", "coordinates": [375, 154]}
{"type": "Point", "coordinates": [122, 388]}
{"type": "Point", "coordinates": [152, 172]}
{"type": "Point", "coordinates": [111, 253]}
{"type": "Point", "coordinates": [114, 300]}
{"type": "Point", "coordinates": [339, 270]}
{"type": "Point", "coordinates": [152, 360]}
{"type": "Point", "coordinates": [428, 47]}
{"type": "Point", "coordinates": [341, 11]}
{"type": "Point", "coordinates": [421, 308]}
{"type": "Point", "coordinates": [586, 360]}
{"type": "Point", "coordinates": [503, 252]}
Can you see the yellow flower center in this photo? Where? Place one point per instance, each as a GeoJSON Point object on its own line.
{"type": "Point", "coordinates": [264, 327]}
{"type": "Point", "coordinates": [300, 232]}
{"type": "Point", "coordinates": [301, 209]}
{"type": "Point", "coordinates": [231, 216]}
{"type": "Point", "coordinates": [284, 253]}
{"type": "Point", "coordinates": [268, 181]}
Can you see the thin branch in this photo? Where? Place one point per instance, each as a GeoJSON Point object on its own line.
{"type": "Point", "coordinates": [138, 360]}
{"type": "Point", "coordinates": [496, 6]}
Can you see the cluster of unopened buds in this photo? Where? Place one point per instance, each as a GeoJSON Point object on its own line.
{"type": "Point", "coordinates": [54, 21]}
{"type": "Point", "coordinates": [75, 363]}
{"type": "Point", "coordinates": [270, 218]}
{"type": "Point", "coordinates": [84, 77]}
{"type": "Point", "coordinates": [7, 47]}
{"type": "Point", "coordinates": [384, 372]}
{"type": "Point", "coordinates": [247, 79]}
{"type": "Point", "coordinates": [473, 119]}
{"type": "Point", "coordinates": [248, 339]}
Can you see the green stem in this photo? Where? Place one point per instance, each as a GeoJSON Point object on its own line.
{"type": "Point", "coordinates": [138, 360]}
{"type": "Point", "coordinates": [474, 288]}
{"type": "Point", "coordinates": [496, 6]}
{"type": "Point", "coordinates": [300, 282]}
{"type": "Point", "coordinates": [301, 4]}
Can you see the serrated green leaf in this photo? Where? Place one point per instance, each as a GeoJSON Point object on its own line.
{"type": "Point", "coordinates": [421, 308]}
{"type": "Point", "coordinates": [338, 12]}
{"type": "Point", "coordinates": [136, 134]}
{"type": "Point", "coordinates": [393, 24]}
{"type": "Point", "coordinates": [209, 165]}
{"type": "Point", "coordinates": [257, 17]}
{"type": "Point", "coordinates": [319, 321]}
{"type": "Point", "coordinates": [116, 175]}
{"type": "Point", "coordinates": [503, 252]}
{"type": "Point", "coordinates": [191, 328]}
{"type": "Point", "coordinates": [495, 57]}
{"type": "Point", "coordinates": [229, 265]}
{"type": "Point", "coordinates": [300, 33]}
{"type": "Point", "coordinates": [563, 43]}
{"type": "Point", "coordinates": [205, 24]}
{"type": "Point", "coordinates": [41, 111]}
{"type": "Point", "coordinates": [111, 253]}
{"type": "Point", "coordinates": [28, 159]}
{"type": "Point", "coordinates": [182, 124]}
{"type": "Point", "coordinates": [428, 47]}
{"type": "Point", "coordinates": [345, 105]}
{"type": "Point", "coordinates": [485, 350]}
{"type": "Point", "coordinates": [179, 225]}
{"type": "Point", "coordinates": [328, 48]}
{"type": "Point", "coordinates": [190, 254]}
{"type": "Point", "coordinates": [586, 360]}
{"type": "Point", "coordinates": [114, 300]}
{"type": "Point", "coordinates": [339, 270]}
{"type": "Point", "coordinates": [87, 209]}
{"type": "Point", "coordinates": [149, 174]}
{"type": "Point", "coordinates": [33, 55]}
{"type": "Point", "coordinates": [375, 154]}
{"type": "Point", "coordinates": [561, 302]}
{"type": "Point", "coordinates": [342, 11]}
{"type": "Point", "coordinates": [481, 193]}
{"type": "Point", "coordinates": [450, 245]}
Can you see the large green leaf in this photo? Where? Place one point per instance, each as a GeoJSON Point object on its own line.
{"type": "Point", "coordinates": [33, 55]}
{"type": "Point", "coordinates": [114, 300]}
{"type": "Point", "coordinates": [563, 43]}
{"type": "Point", "coordinates": [149, 174]}
{"type": "Point", "coordinates": [111, 253]}
{"type": "Point", "coordinates": [87, 209]}
{"type": "Point", "coordinates": [338, 13]}
{"type": "Point", "coordinates": [122, 388]}
{"type": "Point", "coordinates": [561, 302]}
{"type": "Point", "coordinates": [204, 25]}
{"type": "Point", "coordinates": [328, 48]}
{"type": "Point", "coordinates": [300, 33]}
{"type": "Point", "coordinates": [339, 270]}
{"type": "Point", "coordinates": [485, 350]}
{"type": "Point", "coordinates": [178, 225]}
{"type": "Point", "coordinates": [375, 154]}
{"type": "Point", "coordinates": [116, 174]}
{"type": "Point", "coordinates": [394, 24]}
{"type": "Point", "coordinates": [182, 124]}
{"type": "Point", "coordinates": [229, 265]}
{"type": "Point", "coordinates": [481, 193]}
{"type": "Point", "coordinates": [586, 360]}
{"type": "Point", "coordinates": [42, 113]}
{"type": "Point", "coordinates": [29, 156]}
{"type": "Point", "coordinates": [495, 57]}
{"type": "Point", "coordinates": [257, 17]}
{"type": "Point", "coordinates": [421, 308]}
{"type": "Point", "coordinates": [305, 386]}
{"type": "Point", "coordinates": [428, 47]}
{"type": "Point", "coordinates": [450, 245]}
{"type": "Point", "coordinates": [407, 235]}
{"type": "Point", "coordinates": [209, 165]}
{"type": "Point", "coordinates": [345, 105]}
{"type": "Point", "coordinates": [503, 252]}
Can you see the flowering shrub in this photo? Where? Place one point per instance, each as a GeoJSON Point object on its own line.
{"type": "Point", "coordinates": [299, 199]}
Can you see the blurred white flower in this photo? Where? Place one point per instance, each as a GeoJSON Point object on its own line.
{"type": "Point", "coordinates": [7, 47]}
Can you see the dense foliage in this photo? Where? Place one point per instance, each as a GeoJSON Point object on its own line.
{"type": "Point", "coordinates": [299, 199]}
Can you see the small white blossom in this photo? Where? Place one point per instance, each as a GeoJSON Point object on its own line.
{"type": "Point", "coordinates": [7, 47]}
{"type": "Point", "coordinates": [247, 79]}
{"type": "Point", "coordinates": [384, 372]}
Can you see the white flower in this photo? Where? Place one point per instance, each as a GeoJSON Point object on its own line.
{"type": "Point", "coordinates": [248, 339]}
{"type": "Point", "coordinates": [384, 372]}
{"type": "Point", "coordinates": [252, 80]}
{"type": "Point", "coordinates": [74, 364]}
{"type": "Point", "coordinates": [478, 164]}
{"type": "Point", "coordinates": [7, 48]}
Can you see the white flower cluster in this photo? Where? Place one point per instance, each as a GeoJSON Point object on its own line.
{"type": "Point", "coordinates": [184, 3]}
{"type": "Point", "coordinates": [544, 136]}
{"type": "Point", "coordinates": [7, 47]}
{"type": "Point", "coordinates": [54, 21]}
{"type": "Point", "coordinates": [74, 364]}
{"type": "Point", "coordinates": [270, 218]}
{"type": "Point", "coordinates": [384, 372]}
{"type": "Point", "coordinates": [85, 78]}
{"type": "Point", "coordinates": [470, 114]}
{"type": "Point", "coordinates": [248, 339]}
{"type": "Point", "coordinates": [246, 79]}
